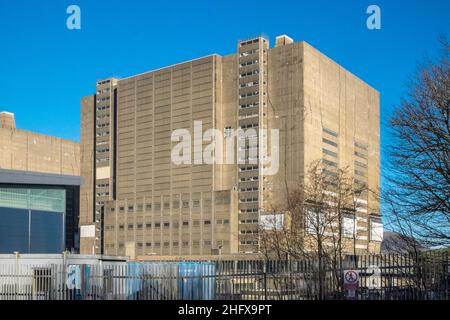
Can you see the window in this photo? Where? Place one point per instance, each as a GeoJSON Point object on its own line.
{"type": "Point", "coordinates": [360, 173]}
{"type": "Point", "coordinates": [330, 173]}
{"type": "Point", "coordinates": [376, 230]}
{"type": "Point", "coordinates": [330, 163]}
{"type": "Point", "coordinates": [330, 153]}
{"type": "Point", "coordinates": [207, 222]}
{"type": "Point", "coordinates": [185, 204]}
{"type": "Point", "coordinates": [331, 143]}
{"type": "Point", "coordinates": [361, 146]}
{"type": "Point", "coordinates": [349, 226]}
{"type": "Point", "coordinates": [361, 155]}
{"type": "Point", "coordinates": [185, 223]}
{"type": "Point", "coordinates": [148, 225]}
{"type": "Point", "coordinates": [330, 132]}
{"type": "Point", "coordinates": [315, 223]}
{"type": "Point", "coordinates": [360, 164]}
{"type": "Point", "coordinates": [228, 132]}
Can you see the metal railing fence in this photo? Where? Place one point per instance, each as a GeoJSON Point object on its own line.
{"type": "Point", "coordinates": [387, 277]}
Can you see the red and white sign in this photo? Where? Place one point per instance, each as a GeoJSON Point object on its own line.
{"type": "Point", "coordinates": [351, 282]}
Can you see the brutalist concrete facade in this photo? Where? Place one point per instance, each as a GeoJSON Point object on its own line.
{"type": "Point", "coordinates": [137, 202]}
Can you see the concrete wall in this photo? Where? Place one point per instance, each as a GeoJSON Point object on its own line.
{"type": "Point", "coordinates": [28, 151]}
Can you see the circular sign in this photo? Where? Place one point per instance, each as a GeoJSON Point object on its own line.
{"type": "Point", "coordinates": [351, 277]}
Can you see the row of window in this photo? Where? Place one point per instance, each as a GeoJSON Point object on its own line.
{"type": "Point", "coordinates": [247, 53]}
{"type": "Point", "coordinates": [254, 189]}
{"type": "Point", "coordinates": [250, 126]}
{"type": "Point", "coordinates": [103, 194]}
{"type": "Point", "coordinates": [249, 243]}
{"type": "Point", "coordinates": [360, 164]}
{"type": "Point", "coordinates": [361, 146]}
{"type": "Point", "coordinates": [249, 232]}
{"type": "Point", "coordinates": [349, 227]}
{"type": "Point", "coordinates": [360, 155]}
{"type": "Point", "coordinates": [103, 134]}
{"type": "Point", "coordinates": [103, 82]}
{"type": "Point", "coordinates": [331, 143]}
{"type": "Point", "coordinates": [249, 63]}
{"type": "Point", "coordinates": [166, 244]}
{"type": "Point", "coordinates": [249, 73]}
{"type": "Point", "coordinates": [246, 43]}
{"type": "Point", "coordinates": [253, 210]}
{"type": "Point", "coordinates": [249, 84]}
{"type": "Point", "coordinates": [249, 105]}
{"type": "Point", "coordinates": [330, 132]}
{"type": "Point", "coordinates": [103, 99]}
{"type": "Point", "coordinates": [106, 90]}
{"type": "Point", "coordinates": [249, 221]}
{"type": "Point", "coordinates": [330, 153]}
{"type": "Point", "coordinates": [248, 168]}
{"type": "Point", "coordinates": [249, 94]}
{"type": "Point", "coordinates": [330, 163]}
{"type": "Point", "coordinates": [102, 125]}
{"type": "Point", "coordinates": [175, 205]}
{"type": "Point", "coordinates": [248, 200]}
{"type": "Point", "coordinates": [103, 116]}
{"type": "Point", "coordinates": [157, 225]}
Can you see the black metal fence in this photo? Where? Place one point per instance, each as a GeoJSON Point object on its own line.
{"type": "Point", "coordinates": [387, 277]}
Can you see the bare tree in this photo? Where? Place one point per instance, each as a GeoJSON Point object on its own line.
{"type": "Point", "coordinates": [419, 200]}
{"type": "Point", "coordinates": [312, 223]}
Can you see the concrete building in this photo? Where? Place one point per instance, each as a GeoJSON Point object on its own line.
{"type": "Point", "coordinates": [137, 201]}
{"type": "Point", "coordinates": [39, 191]}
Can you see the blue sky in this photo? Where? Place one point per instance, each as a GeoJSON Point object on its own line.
{"type": "Point", "coordinates": [45, 68]}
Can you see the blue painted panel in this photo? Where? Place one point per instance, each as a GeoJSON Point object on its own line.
{"type": "Point", "coordinates": [46, 232]}
{"type": "Point", "coordinates": [13, 230]}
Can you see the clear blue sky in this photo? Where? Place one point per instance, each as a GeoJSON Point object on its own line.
{"type": "Point", "coordinates": [45, 69]}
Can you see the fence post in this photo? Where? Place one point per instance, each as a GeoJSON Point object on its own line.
{"type": "Point", "coordinates": [265, 279]}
